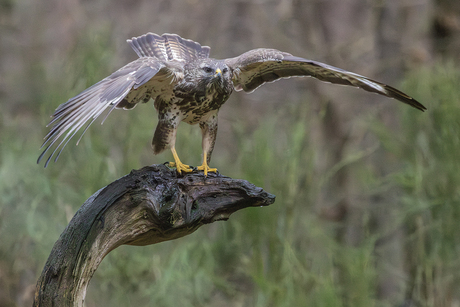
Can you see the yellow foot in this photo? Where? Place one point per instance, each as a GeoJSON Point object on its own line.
{"type": "Point", "coordinates": [206, 169]}
{"type": "Point", "coordinates": [181, 167]}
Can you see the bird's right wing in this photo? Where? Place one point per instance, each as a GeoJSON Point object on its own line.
{"type": "Point", "coordinates": [124, 88]}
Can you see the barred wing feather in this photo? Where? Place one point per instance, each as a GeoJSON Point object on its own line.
{"type": "Point", "coordinates": [258, 66]}
{"type": "Point", "coordinates": [107, 94]}
{"type": "Point", "coordinates": [168, 47]}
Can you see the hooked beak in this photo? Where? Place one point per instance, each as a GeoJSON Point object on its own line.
{"type": "Point", "coordinates": [218, 73]}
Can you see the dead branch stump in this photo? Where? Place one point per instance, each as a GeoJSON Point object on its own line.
{"type": "Point", "coordinates": [147, 206]}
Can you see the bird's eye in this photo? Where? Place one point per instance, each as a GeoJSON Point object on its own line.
{"type": "Point", "coordinates": [225, 70]}
{"type": "Point", "coordinates": [208, 70]}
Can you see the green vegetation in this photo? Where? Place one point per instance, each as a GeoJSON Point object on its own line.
{"type": "Point", "coordinates": [430, 204]}
{"type": "Point", "coordinates": [282, 255]}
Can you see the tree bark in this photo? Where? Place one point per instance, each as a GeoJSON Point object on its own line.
{"type": "Point", "coordinates": [148, 206]}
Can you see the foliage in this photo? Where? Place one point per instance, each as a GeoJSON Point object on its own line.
{"type": "Point", "coordinates": [282, 255]}
{"type": "Point", "coordinates": [431, 183]}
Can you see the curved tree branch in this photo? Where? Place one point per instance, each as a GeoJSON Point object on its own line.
{"type": "Point", "coordinates": [147, 206]}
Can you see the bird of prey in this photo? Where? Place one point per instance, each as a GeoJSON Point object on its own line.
{"type": "Point", "coordinates": [187, 85]}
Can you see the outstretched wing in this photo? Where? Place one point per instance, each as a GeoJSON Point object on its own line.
{"type": "Point", "coordinates": [158, 69]}
{"type": "Point", "coordinates": [258, 66]}
{"type": "Point", "coordinates": [109, 93]}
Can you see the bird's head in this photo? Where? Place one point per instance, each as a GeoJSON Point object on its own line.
{"type": "Point", "coordinates": [213, 74]}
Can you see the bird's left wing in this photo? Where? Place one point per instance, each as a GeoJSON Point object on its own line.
{"type": "Point", "coordinates": [258, 66]}
{"type": "Point", "coordinates": [124, 88]}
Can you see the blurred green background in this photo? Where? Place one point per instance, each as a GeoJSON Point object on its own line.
{"type": "Point", "coordinates": [368, 197]}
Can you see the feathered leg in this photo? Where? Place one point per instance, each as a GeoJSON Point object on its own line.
{"type": "Point", "coordinates": [209, 133]}
{"type": "Point", "coordinates": [165, 137]}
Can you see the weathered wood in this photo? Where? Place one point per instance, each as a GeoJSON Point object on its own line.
{"type": "Point", "coordinates": [147, 206]}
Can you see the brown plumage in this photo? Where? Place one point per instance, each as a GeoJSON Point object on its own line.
{"type": "Point", "coordinates": [186, 85]}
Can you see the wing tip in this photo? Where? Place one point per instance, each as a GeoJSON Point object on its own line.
{"type": "Point", "coordinates": [398, 95]}
{"type": "Point", "coordinates": [419, 106]}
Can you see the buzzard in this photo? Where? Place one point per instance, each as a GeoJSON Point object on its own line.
{"type": "Point", "coordinates": [187, 85]}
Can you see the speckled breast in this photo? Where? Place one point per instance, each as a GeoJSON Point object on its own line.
{"type": "Point", "coordinates": [196, 108]}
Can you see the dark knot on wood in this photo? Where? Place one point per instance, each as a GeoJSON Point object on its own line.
{"type": "Point", "coordinates": [147, 206]}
